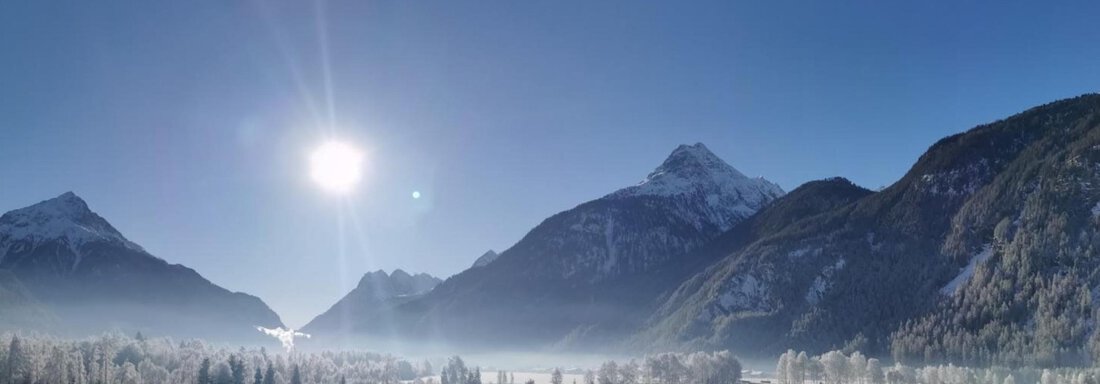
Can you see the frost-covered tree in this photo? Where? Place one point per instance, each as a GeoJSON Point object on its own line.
{"type": "Point", "coordinates": [296, 377]}
{"type": "Point", "coordinates": [608, 374]}
{"type": "Point", "coordinates": [875, 373]}
{"type": "Point", "coordinates": [836, 367]}
{"type": "Point", "coordinates": [555, 376]}
{"type": "Point", "coordinates": [857, 367]}
{"type": "Point", "coordinates": [15, 366]}
{"type": "Point", "coordinates": [269, 375]}
{"type": "Point", "coordinates": [474, 377]}
{"type": "Point", "coordinates": [128, 374]}
{"type": "Point", "coordinates": [204, 372]}
{"type": "Point", "coordinates": [629, 373]}
{"type": "Point", "coordinates": [237, 369]}
{"type": "Point", "coordinates": [782, 374]}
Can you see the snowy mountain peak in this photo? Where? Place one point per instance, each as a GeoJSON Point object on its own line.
{"type": "Point", "coordinates": [66, 217]}
{"type": "Point", "coordinates": [694, 168]}
{"type": "Point", "coordinates": [694, 160]}
{"type": "Point", "coordinates": [485, 259]}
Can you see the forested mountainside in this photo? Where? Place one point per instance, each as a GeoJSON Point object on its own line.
{"type": "Point", "coordinates": [81, 269]}
{"type": "Point", "coordinates": [982, 252]}
{"type": "Point", "coordinates": [1030, 243]}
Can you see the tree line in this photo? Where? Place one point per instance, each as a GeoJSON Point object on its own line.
{"type": "Point", "coordinates": [119, 359]}
{"type": "Point", "coordinates": [836, 367]}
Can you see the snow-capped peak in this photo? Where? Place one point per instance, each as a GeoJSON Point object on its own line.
{"type": "Point", "coordinates": [485, 259]}
{"type": "Point", "coordinates": [719, 194]}
{"type": "Point", "coordinates": [693, 167]}
{"type": "Point", "coordinates": [65, 217]}
{"type": "Point", "coordinates": [693, 160]}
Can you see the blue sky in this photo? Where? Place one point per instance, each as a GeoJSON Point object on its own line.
{"type": "Point", "coordinates": [188, 124]}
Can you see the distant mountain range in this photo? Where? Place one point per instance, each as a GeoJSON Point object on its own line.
{"type": "Point", "coordinates": [987, 251]}
{"type": "Point", "coordinates": [375, 294]}
{"type": "Point", "coordinates": [61, 262]}
{"type": "Point", "coordinates": [984, 252]}
{"type": "Point", "coordinates": [590, 273]}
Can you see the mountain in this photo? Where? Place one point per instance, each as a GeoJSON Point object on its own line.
{"type": "Point", "coordinates": [94, 279]}
{"type": "Point", "coordinates": [983, 252]}
{"type": "Point", "coordinates": [585, 274]}
{"type": "Point", "coordinates": [485, 259]}
{"type": "Point", "coordinates": [19, 310]}
{"type": "Point", "coordinates": [376, 293]}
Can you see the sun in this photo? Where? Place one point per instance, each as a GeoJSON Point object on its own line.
{"type": "Point", "coordinates": [336, 166]}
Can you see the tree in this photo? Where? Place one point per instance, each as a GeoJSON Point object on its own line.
{"type": "Point", "coordinates": [236, 368]}
{"type": "Point", "coordinates": [874, 371]}
{"type": "Point", "coordinates": [800, 364]}
{"type": "Point", "coordinates": [128, 374]}
{"type": "Point", "coordinates": [555, 377]}
{"type": "Point", "coordinates": [815, 370]}
{"type": "Point", "coordinates": [474, 377]}
{"type": "Point", "coordinates": [269, 375]}
{"type": "Point", "coordinates": [16, 360]}
{"type": "Point", "coordinates": [204, 372]}
{"type": "Point", "coordinates": [258, 377]}
{"type": "Point", "coordinates": [857, 367]}
{"type": "Point", "coordinates": [223, 374]}
{"type": "Point", "coordinates": [296, 377]}
{"type": "Point", "coordinates": [628, 373]}
{"type": "Point", "coordinates": [608, 373]}
{"type": "Point", "coordinates": [782, 373]}
{"type": "Point", "coordinates": [1048, 377]}
{"type": "Point", "coordinates": [455, 372]}
{"type": "Point", "coordinates": [836, 367]}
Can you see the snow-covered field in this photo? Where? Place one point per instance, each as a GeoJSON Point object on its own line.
{"type": "Point", "coordinates": [490, 377]}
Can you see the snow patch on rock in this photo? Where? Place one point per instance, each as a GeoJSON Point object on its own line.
{"type": "Point", "coordinates": [964, 275]}
{"type": "Point", "coordinates": [822, 282]}
{"type": "Point", "coordinates": [744, 293]}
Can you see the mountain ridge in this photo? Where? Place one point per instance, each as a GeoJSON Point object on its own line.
{"type": "Point", "coordinates": [575, 262]}
{"type": "Point", "coordinates": [895, 250]}
{"type": "Point", "coordinates": [84, 270]}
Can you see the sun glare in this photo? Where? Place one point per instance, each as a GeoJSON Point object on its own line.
{"type": "Point", "coordinates": [336, 166]}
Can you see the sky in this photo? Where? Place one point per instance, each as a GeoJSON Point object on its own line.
{"type": "Point", "coordinates": [188, 125]}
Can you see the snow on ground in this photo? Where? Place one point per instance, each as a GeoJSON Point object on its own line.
{"type": "Point", "coordinates": [490, 377]}
{"type": "Point", "coordinates": [964, 275]}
